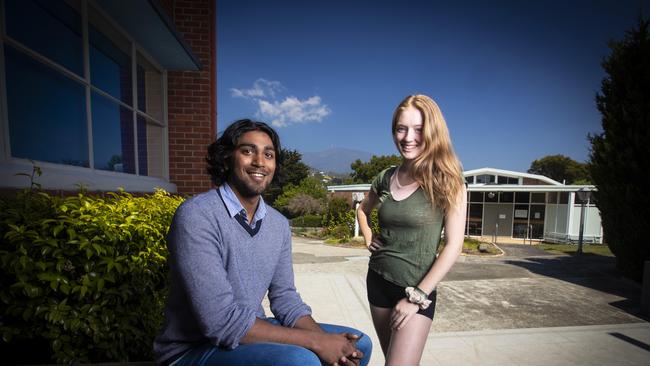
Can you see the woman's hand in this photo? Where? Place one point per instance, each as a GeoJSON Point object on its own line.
{"type": "Point", "coordinates": [375, 243]}
{"type": "Point", "coordinates": [402, 313]}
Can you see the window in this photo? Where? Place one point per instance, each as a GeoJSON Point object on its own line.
{"type": "Point", "coordinates": [507, 180]}
{"type": "Point", "coordinates": [522, 197]}
{"type": "Point", "coordinates": [505, 197]}
{"type": "Point", "coordinates": [475, 219]}
{"type": "Point", "coordinates": [49, 91]}
{"type": "Point", "coordinates": [485, 178]}
{"type": "Point", "coordinates": [476, 197]}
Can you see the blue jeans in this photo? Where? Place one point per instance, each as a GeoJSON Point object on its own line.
{"type": "Point", "coordinates": [266, 353]}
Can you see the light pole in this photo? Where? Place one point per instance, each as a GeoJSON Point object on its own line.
{"type": "Point", "coordinates": [583, 196]}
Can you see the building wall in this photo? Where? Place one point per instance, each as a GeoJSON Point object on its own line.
{"type": "Point", "coordinates": [192, 96]}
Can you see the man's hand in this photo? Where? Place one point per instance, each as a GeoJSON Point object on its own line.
{"type": "Point", "coordinates": [402, 313]}
{"type": "Point", "coordinates": [337, 349]}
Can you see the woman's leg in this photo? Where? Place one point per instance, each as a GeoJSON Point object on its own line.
{"type": "Point", "coordinates": [381, 321]}
{"type": "Point", "coordinates": [406, 345]}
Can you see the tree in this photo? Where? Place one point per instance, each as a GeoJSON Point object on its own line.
{"type": "Point", "coordinates": [561, 168]}
{"type": "Point", "coordinates": [619, 156]}
{"type": "Point", "coordinates": [304, 204]}
{"type": "Point", "coordinates": [309, 186]}
{"type": "Point", "coordinates": [293, 171]}
{"type": "Point", "coordinates": [365, 172]}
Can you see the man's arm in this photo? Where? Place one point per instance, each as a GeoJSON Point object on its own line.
{"type": "Point", "coordinates": [330, 348]}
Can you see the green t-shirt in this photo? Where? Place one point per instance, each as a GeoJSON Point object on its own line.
{"type": "Point", "coordinates": [410, 231]}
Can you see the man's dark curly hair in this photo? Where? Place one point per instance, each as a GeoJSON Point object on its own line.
{"type": "Point", "coordinates": [220, 151]}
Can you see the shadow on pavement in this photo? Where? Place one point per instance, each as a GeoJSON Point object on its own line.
{"type": "Point", "coordinates": [588, 270]}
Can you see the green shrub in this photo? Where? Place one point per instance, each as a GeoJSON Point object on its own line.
{"type": "Point", "coordinates": [342, 225]}
{"type": "Point", "coordinates": [86, 274]}
{"type": "Point", "coordinates": [307, 221]}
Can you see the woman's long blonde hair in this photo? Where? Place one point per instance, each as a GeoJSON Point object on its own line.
{"type": "Point", "coordinates": [437, 170]}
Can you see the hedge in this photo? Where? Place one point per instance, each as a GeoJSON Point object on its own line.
{"type": "Point", "coordinates": [85, 275]}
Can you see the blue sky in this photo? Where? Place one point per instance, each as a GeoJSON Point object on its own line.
{"type": "Point", "coordinates": [516, 80]}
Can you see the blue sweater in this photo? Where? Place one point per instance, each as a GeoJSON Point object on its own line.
{"type": "Point", "coordinates": [220, 274]}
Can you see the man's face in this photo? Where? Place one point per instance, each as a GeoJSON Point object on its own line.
{"type": "Point", "coordinates": [252, 164]}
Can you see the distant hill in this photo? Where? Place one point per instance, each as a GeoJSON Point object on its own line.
{"type": "Point", "coordinates": [335, 160]}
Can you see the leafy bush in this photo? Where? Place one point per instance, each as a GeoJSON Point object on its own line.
{"type": "Point", "coordinates": [307, 221]}
{"type": "Point", "coordinates": [342, 225]}
{"type": "Point", "coordinates": [85, 274]}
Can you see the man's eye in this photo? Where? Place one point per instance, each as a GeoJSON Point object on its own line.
{"type": "Point", "coordinates": [246, 151]}
{"type": "Point", "coordinates": [269, 155]}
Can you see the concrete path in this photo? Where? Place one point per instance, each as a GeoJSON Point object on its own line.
{"type": "Point", "coordinates": [522, 308]}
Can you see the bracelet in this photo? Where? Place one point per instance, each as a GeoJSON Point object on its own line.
{"type": "Point", "coordinates": [416, 296]}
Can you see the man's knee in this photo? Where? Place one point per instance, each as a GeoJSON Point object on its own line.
{"type": "Point", "coordinates": [298, 356]}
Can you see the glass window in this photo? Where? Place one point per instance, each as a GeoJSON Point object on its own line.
{"type": "Point", "coordinates": [113, 143]}
{"type": "Point", "coordinates": [46, 110]}
{"type": "Point", "coordinates": [512, 180]}
{"type": "Point", "coordinates": [110, 60]}
{"type": "Point", "coordinates": [538, 198]}
{"type": "Point", "coordinates": [476, 197]}
{"type": "Point", "coordinates": [522, 197]}
{"type": "Point", "coordinates": [149, 89]}
{"type": "Point", "coordinates": [502, 180]}
{"type": "Point", "coordinates": [469, 180]}
{"type": "Point", "coordinates": [551, 197]}
{"type": "Point", "coordinates": [505, 197]}
{"type": "Point", "coordinates": [485, 178]}
{"type": "Point", "coordinates": [36, 24]}
{"type": "Point", "coordinates": [475, 219]}
{"type": "Point", "coordinates": [564, 198]}
{"type": "Point", "coordinates": [150, 148]}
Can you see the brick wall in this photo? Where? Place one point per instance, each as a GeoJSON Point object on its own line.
{"type": "Point", "coordinates": [192, 96]}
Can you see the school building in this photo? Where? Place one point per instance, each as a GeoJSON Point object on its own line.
{"type": "Point", "coordinates": [505, 205]}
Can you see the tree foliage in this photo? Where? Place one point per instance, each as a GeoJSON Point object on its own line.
{"type": "Point", "coordinates": [293, 171]}
{"type": "Point", "coordinates": [619, 156]}
{"type": "Point", "coordinates": [309, 186]}
{"type": "Point", "coordinates": [561, 168]}
{"type": "Point", "coordinates": [365, 172]}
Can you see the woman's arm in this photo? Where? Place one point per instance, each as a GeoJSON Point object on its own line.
{"type": "Point", "coordinates": [363, 216]}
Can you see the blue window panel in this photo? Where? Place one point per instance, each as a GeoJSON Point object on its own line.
{"type": "Point", "coordinates": [110, 67]}
{"type": "Point", "coordinates": [142, 146]}
{"type": "Point", "coordinates": [51, 28]}
{"type": "Point", "coordinates": [112, 135]}
{"type": "Point", "coordinates": [47, 113]}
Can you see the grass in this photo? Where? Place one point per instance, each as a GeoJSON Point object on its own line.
{"type": "Point", "coordinates": [470, 246]}
{"type": "Point", "coordinates": [597, 249]}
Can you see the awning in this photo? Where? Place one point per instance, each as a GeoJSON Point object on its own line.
{"type": "Point", "coordinates": [154, 31]}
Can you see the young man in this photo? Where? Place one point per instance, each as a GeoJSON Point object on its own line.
{"type": "Point", "coordinates": [227, 249]}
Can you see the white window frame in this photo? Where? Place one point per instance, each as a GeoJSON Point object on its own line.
{"type": "Point", "coordinates": [68, 177]}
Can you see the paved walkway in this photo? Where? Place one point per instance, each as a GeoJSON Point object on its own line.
{"type": "Point", "coordinates": [507, 310]}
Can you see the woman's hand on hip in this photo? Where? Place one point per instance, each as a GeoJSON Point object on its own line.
{"type": "Point", "coordinates": [402, 313]}
{"type": "Point", "coordinates": [375, 243]}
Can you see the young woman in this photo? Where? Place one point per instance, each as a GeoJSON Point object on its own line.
{"type": "Point", "coordinates": [416, 200]}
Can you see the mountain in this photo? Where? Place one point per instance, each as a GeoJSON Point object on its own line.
{"type": "Point", "coordinates": [336, 160]}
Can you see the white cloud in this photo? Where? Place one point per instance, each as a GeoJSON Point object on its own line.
{"type": "Point", "coordinates": [262, 88]}
{"type": "Point", "coordinates": [282, 113]}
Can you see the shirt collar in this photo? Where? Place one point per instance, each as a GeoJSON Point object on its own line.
{"type": "Point", "coordinates": [235, 207]}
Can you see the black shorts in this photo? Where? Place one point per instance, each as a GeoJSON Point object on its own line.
{"type": "Point", "coordinates": [385, 294]}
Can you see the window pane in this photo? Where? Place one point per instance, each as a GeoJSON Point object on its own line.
{"type": "Point", "coordinates": [476, 197]}
{"type": "Point", "coordinates": [112, 135]}
{"type": "Point", "coordinates": [110, 61]}
{"type": "Point", "coordinates": [485, 178]}
{"type": "Point", "coordinates": [37, 23]}
{"type": "Point", "coordinates": [150, 148]}
{"type": "Point", "coordinates": [506, 196]}
{"type": "Point", "coordinates": [502, 180]}
{"type": "Point", "coordinates": [475, 219]}
{"type": "Point", "coordinates": [512, 180]}
{"type": "Point", "coordinates": [149, 89]}
{"type": "Point", "coordinates": [538, 197]}
{"type": "Point", "coordinates": [47, 115]}
{"type": "Point", "coordinates": [522, 197]}
{"type": "Point", "coordinates": [551, 197]}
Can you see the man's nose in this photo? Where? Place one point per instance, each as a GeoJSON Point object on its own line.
{"type": "Point", "coordinates": [258, 159]}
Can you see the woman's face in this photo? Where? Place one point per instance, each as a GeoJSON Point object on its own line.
{"type": "Point", "coordinates": [408, 133]}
